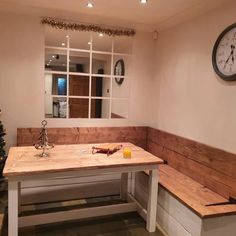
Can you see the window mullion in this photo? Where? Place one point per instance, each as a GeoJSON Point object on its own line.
{"type": "Point", "coordinates": [67, 75]}
{"type": "Point", "coordinates": [90, 75]}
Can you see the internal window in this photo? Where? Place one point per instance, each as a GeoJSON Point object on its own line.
{"type": "Point", "coordinates": [87, 75]}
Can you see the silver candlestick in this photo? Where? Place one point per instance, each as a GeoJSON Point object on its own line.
{"type": "Point", "coordinates": [43, 143]}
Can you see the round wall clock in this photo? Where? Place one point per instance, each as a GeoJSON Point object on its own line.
{"type": "Point", "coordinates": [224, 54]}
{"type": "Point", "coordinates": [119, 70]}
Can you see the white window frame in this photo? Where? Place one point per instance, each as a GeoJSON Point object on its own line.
{"type": "Point", "coordinates": [90, 75]}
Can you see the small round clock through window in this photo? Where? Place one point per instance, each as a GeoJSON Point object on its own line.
{"type": "Point", "coordinates": [119, 71]}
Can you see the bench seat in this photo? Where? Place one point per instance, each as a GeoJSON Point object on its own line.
{"type": "Point", "coordinates": [192, 194]}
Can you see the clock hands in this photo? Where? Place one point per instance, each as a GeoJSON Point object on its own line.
{"type": "Point", "coordinates": [230, 56]}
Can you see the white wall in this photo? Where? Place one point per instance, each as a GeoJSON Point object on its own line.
{"type": "Point", "coordinates": [22, 78]}
{"type": "Point", "coordinates": [48, 93]}
{"type": "Point", "coordinates": [190, 100]}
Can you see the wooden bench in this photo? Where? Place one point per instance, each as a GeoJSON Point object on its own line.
{"type": "Point", "coordinates": [196, 178]}
{"type": "Point", "coordinates": [195, 186]}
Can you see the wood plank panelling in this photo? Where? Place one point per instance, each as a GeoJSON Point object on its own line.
{"type": "Point", "coordinates": [29, 136]}
{"type": "Point", "coordinates": [135, 135]}
{"type": "Point", "coordinates": [213, 168]}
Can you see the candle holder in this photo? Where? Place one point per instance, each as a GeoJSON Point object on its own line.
{"type": "Point", "coordinates": [43, 143]}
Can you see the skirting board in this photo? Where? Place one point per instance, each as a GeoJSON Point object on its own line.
{"type": "Point", "coordinates": [177, 220]}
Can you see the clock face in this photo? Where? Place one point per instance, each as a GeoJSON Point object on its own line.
{"type": "Point", "coordinates": [224, 54]}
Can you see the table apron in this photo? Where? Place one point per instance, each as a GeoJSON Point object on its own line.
{"type": "Point", "coordinates": [81, 173]}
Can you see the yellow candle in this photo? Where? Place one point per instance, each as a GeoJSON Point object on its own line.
{"type": "Point", "coordinates": [127, 153]}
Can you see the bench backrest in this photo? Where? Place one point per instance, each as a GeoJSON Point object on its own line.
{"type": "Point", "coordinates": [212, 167]}
{"type": "Point", "coordinates": [135, 135]}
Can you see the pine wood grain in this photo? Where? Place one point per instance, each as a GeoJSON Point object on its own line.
{"type": "Point", "coordinates": [213, 168]}
{"type": "Point", "coordinates": [190, 193]}
{"type": "Point", "coordinates": [136, 135]}
{"type": "Point", "coordinates": [26, 160]}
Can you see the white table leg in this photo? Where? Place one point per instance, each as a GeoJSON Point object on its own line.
{"type": "Point", "coordinates": [133, 183]}
{"type": "Point", "coordinates": [152, 201]}
{"type": "Point", "coordinates": [124, 186]}
{"type": "Point", "coordinates": [13, 208]}
{"type": "Point", "coordinates": [19, 197]}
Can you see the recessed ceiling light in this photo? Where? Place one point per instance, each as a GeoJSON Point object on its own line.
{"type": "Point", "coordinates": [67, 36]}
{"type": "Point", "coordinates": [63, 44]}
{"type": "Point", "coordinates": [50, 60]}
{"type": "Point", "coordinates": [90, 5]}
{"type": "Point", "coordinates": [101, 34]}
{"type": "Point", "coordinates": [143, 1]}
{"type": "Point", "coordinates": [53, 56]}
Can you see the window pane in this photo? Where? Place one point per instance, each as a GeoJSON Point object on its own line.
{"type": "Point", "coordinates": [118, 61]}
{"type": "Point", "coordinates": [120, 87]}
{"type": "Point", "coordinates": [79, 85]}
{"type": "Point", "coordinates": [79, 62]}
{"type": "Point", "coordinates": [119, 109]}
{"type": "Point", "coordinates": [100, 108]}
{"type": "Point", "coordinates": [55, 60]}
{"type": "Point", "coordinates": [101, 86]}
{"type": "Point", "coordinates": [79, 107]}
{"type": "Point", "coordinates": [55, 37]}
{"type": "Point", "coordinates": [101, 64]}
{"type": "Point", "coordinates": [102, 43]}
{"type": "Point", "coordinates": [55, 107]}
{"type": "Point", "coordinates": [55, 84]}
{"type": "Point", "coordinates": [79, 40]}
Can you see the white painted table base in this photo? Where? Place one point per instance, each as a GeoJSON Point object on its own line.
{"type": "Point", "coordinates": [14, 222]}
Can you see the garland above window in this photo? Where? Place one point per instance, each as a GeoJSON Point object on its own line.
{"type": "Point", "coordinates": [60, 24]}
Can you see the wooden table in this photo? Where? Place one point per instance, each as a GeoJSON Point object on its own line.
{"type": "Point", "coordinates": [25, 164]}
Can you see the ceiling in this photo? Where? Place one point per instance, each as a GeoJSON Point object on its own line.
{"type": "Point", "coordinates": [156, 15]}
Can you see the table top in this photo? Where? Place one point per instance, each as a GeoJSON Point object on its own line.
{"type": "Point", "coordinates": [23, 161]}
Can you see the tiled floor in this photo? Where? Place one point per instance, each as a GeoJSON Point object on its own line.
{"type": "Point", "coordinates": [130, 224]}
{"type": "Point", "coordinates": [120, 225]}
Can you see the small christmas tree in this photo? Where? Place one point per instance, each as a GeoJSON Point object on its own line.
{"type": "Point", "coordinates": [2, 145]}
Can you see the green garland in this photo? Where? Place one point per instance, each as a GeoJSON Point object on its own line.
{"type": "Point", "coordinates": [60, 24]}
{"type": "Point", "coordinates": [3, 155]}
